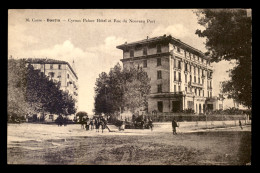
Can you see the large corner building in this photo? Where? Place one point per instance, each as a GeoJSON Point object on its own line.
{"type": "Point", "coordinates": [59, 71]}
{"type": "Point", "coordinates": [181, 76]}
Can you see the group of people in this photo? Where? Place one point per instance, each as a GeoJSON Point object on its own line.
{"type": "Point", "coordinates": [95, 123]}
{"type": "Point", "coordinates": [142, 122]}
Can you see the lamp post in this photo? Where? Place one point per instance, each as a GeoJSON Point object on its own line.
{"type": "Point", "coordinates": [106, 99]}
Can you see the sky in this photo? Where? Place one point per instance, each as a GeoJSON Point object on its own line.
{"type": "Point", "coordinates": [92, 45]}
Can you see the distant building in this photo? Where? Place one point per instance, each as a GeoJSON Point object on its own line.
{"type": "Point", "coordinates": [59, 71]}
{"type": "Point", "coordinates": [181, 76]}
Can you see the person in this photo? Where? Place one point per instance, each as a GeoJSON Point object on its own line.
{"type": "Point", "coordinates": [122, 127]}
{"type": "Point", "coordinates": [87, 124]}
{"type": "Point", "coordinates": [174, 125]}
{"type": "Point", "coordinates": [150, 123]}
{"type": "Point", "coordinates": [240, 124]}
{"type": "Point", "coordinates": [97, 124]}
{"type": "Point", "coordinates": [91, 124]}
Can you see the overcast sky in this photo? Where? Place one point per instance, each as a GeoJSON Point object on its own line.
{"type": "Point", "coordinates": [92, 45]}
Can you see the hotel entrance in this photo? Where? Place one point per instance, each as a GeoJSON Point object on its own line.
{"type": "Point", "coordinates": [176, 106]}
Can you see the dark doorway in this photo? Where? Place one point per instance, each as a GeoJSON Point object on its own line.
{"type": "Point", "coordinates": [160, 106]}
{"type": "Point", "coordinates": [176, 106]}
{"type": "Point", "coordinates": [210, 107]}
{"type": "Point", "coordinates": [199, 108]}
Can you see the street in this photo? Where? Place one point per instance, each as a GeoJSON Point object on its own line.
{"type": "Point", "coordinates": [50, 144]}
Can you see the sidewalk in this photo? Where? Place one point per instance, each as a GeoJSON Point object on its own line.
{"type": "Point", "coordinates": [198, 126]}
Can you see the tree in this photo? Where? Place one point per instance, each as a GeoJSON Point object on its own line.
{"type": "Point", "coordinates": [229, 37]}
{"type": "Point", "coordinates": [80, 116]}
{"type": "Point", "coordinates": [121, 88]}
{"type": "Point", "coordinates": [16, 102]}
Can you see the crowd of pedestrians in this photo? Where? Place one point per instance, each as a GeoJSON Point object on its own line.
{"type": "Point", "coordinates": [94, 123]}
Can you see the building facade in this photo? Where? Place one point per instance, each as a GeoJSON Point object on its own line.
{"type": "Point", "coordinates": [181, 76]}
{"type": "Point", "coordinates": [58, 71]}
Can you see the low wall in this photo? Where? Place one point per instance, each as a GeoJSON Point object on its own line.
{"type": "Point", "coordinates": [189, 117]}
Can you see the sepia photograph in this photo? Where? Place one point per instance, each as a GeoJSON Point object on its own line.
{"type": "Point", "coordinates": [129, 87]}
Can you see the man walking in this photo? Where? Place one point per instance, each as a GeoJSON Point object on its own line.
{"type": "Point", "coordinates": [240, 124]}
{"type": "Point", "coordinates": [174, 125]}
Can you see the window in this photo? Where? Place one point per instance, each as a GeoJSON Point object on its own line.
{"type": "Point", "coordinates": [179, 88]}
{"type": "Point", "coordinates": [186, 89]}
{"type": "Point", "coordinates": [174, 88]}
{"type": "Point", "coordinates": [195, 91]}
{"type": "Point", "coordinates": [159, 74]}
{"type": "Point", "coordinates": [131, 53]}
{"type": "Point", "coordinates": [68, 76]}
{"type": "Point", "coordinates": [51, 74]}
{"type": "Point", "coordinates": [159, 48]}
{"type": "Point", "coordinates": [194, 79]}
{"type": "Point", "coordinates": [198, 80]}
{"type": "Point", "coordinates": [185, 78]}
{"type": "Point", "coordinates": [203, 93]}
{"type": "Point", "coordinates": [185, 54]}
{"type": "Point", "coordinates": [160, 106]}
{"type": "Point", "coordinates": [174, 62]}
{"type": "Point", "coordinates": [178, 49]}
{"type": "Point", "coordinates": [208, 93]}
{"type": "Point", "coordinates": [194, 70]}
{"type": "Point", "coordinates": [159, 62]}
{"type": "Point", "coordinates": [203, 81]}
{"type": "Point", "coordinates": [159, 88]}
{"type": "Point", "coordinates": [190, 105]}
{"type": "Point", "coordinates": [145, 51]}
{"type": "Point", "coordinates": [198, 71]}
{"type": "Point", "coordinates": [180, 77]}
{"type": "Point", "coordinates": [202, 60]}
{"type": "Point", "coordinates": [190, 78]}
{"type": "Point", "coordinates": [145, 63]}
{"type": "Point", "coordinates": [59, 66]}
{"type": "Point", "coordinates": [179, 64]}
{"type": "Point", "coordinates": [186, 67]}
{"type": "Point", "coordinates": [51, 66]}
{"type": "Point", "coordinates": [190, 55]}
{"type": "Point", "coordinates": [174, 75]}
{"type": "Point", "coordinates": [199, 92]}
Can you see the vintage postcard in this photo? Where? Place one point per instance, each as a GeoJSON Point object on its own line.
{"type": "Point", "coordinates": [129, 86]}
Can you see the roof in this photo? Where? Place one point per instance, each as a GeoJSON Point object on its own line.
{"type": "Point", "coordinates": [162, 38]}
{"type": "Point", "coordinates": [49, 61]}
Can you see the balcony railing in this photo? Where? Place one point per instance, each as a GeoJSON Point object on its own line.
{"type": "Point", "coordinates": [195, 84]}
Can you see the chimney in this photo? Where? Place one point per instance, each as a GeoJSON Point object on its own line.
{"type": "Point", "coordinates": [147, 37]}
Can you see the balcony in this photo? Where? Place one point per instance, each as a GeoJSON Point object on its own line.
{"type": "Point", "coordinates": [195, 84]}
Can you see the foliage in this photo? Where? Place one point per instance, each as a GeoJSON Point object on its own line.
{"type": "Point", "coordinates": [121, 89]}
{"type": "Point", "coordinates": [229, 37]}
{"type": "Point", "coordinates": [80, 115]}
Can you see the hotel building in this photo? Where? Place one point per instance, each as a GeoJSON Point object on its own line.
{"type": "Point", "coordinates": [181, 76]}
